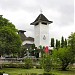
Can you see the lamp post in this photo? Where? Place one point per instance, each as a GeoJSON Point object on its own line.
{"type": "Point", "coordinates": [27, 53]}
{"type": "Point", "coordinates": [34, 51]}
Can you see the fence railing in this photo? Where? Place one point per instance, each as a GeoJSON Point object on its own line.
{"type": "Point", "coordinates": [2, 60]}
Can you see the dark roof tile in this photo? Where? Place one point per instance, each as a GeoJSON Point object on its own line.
{"type": "Point", "coordinates": [23, 36]}
{"type": "Point", "coordinates": [41, 18]}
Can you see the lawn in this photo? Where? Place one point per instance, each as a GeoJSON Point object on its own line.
{"type": "Point", "coordinates": [19, 71]}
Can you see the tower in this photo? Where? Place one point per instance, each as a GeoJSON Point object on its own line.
{"type": "Point", "coordinates": [41, 30]}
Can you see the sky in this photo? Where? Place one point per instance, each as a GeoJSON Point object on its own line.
{"type": "Point", "coordinates": [23, 12]}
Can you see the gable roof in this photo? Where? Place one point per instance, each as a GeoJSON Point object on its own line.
{"type": "Point", "coordinates": [41, 18]}
{"type": "Point", "coordinates": [29, 39]}
{"type": "Point", "coordinates": [23, 36]}
{"type": "Point", "coordinates": [21, 33]}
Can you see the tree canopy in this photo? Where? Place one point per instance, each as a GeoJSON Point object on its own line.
{"type": "Point", "coordinates": [52, 42]}
{"type": "Point", "coordinates": [62, 42]}
{"type": "Point", "coordinates": [63, 57]}
{"type": "Point", "coordinates": [57, 44]}
{"type": "Point", "coordinates": [10, 41]}
{"type": "Point", "coordinates": [71, 42]}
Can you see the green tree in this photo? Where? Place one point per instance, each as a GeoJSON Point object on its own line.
{"type": "Point", "coordinates": [71, 42]}
{"type": "Point", "coordinates": [28, 63]}
{"type": "Point", "coordinates": [63, 57]}
{"type": "Point", "coordinates": [62, 42]}
{"type": "Point", "coordinates": [5, 23]}
{"type": "Point", "coordinates": [10, 41]}
{"type": "Point", "coordinates": [57, 44]}
{"type": "Point", "coordinates": [23, 51]}
{"type": "Point", "coordinates": [52, 42]}
{"type": "Point", "coordinates": [65, 42]}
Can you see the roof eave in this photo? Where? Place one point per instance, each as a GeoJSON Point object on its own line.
{"type": "Point", "coordinates": [34, 23]}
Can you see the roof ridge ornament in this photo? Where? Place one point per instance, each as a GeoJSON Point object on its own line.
{"type": "Point", "coordinates": [41, 11]}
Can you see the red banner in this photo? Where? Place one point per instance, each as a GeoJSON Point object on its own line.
{"type": "Point", "coordinates": [46, 49]}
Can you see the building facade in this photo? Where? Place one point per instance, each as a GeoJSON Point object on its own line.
{"type": "Point", "coordinates": [41, 30]}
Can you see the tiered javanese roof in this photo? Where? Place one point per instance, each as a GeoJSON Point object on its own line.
{"type": "Point", "coordinates": [41, 18]}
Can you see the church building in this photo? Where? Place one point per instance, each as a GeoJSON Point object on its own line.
{"type": "Point", "coordinates": [41, 33]}
{"type": "Point", "coordinates": [26, 41]}
{"type": "Point", "coordinates": [41, 30]}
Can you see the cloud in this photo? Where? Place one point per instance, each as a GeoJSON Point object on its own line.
{"type": "Point", "coordinates": [23, 12]}
{"type": "Point", "coordinates": [65, 7]}
{"type": "Point", "coordinates": [14, 5]}
{"type": "Point", "coordinates": [67, 11]}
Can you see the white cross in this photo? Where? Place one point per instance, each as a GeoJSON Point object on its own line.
{"type": "Point", "coordinates": [41, 11]}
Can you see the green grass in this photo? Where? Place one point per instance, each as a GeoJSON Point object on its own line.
{"type": "Point", "coordinates": [70, 72]}
{"type": "Point", "coordinates": [18, 71]}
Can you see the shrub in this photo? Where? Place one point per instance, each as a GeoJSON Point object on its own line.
{"type": "Point", "coordinates": [63, 57]}
{"type": "Point", "coordinates": [46, 63]}
{"type": "Point", "coordinates": [0, 66]}
{"type": "Point", "coordinates": [33, 74]}
{"type": "Point", "coordinates": [47, 73]}
{"type": "Point", "coordinates": [28, 63]}
{"type": "Point", "coordinates": [40, 74]}
{"type": "Point", "coordinates": [38, 67]}
{"type": "Point", "coordinates": [1, 73]}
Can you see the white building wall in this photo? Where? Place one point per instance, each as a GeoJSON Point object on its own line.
{"type": "Point", "coordinates": [40, 31]}
{"type": "Point", "coordinates": [37, 35]}
{"type": "Point", "coordinates": [44, 35]}
{"type": "Point", "coordinates": [27, 42]}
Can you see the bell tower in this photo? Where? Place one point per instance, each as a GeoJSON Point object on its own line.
{"type": "Point", "coordinates": [41, 30]}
